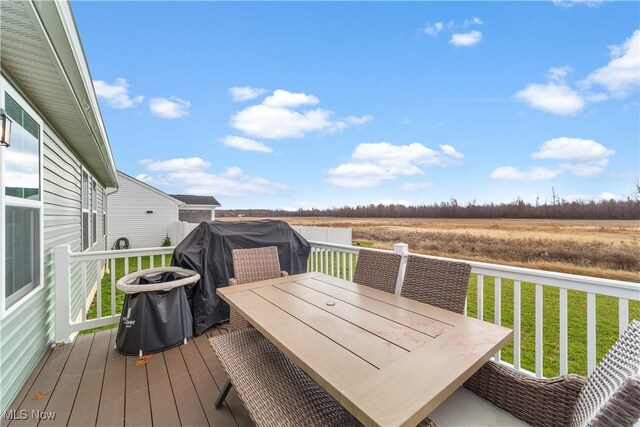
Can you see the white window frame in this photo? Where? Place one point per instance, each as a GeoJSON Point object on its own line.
{"type": "Point", "coordinates": [94, 212]}
{"type": "Point", "coordinates": [83, 172]}
{"type": "Point", "coordinates": [104, 214]}
{"type": "Point", "coordinates": [6, 87]}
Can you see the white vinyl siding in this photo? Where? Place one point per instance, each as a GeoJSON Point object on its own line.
{"type": "Point", "coordinates": [128, 214]}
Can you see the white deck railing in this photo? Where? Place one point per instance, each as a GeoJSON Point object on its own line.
{"type": "Point", "coordinates": [79, 277]}
{"type": "Point", "coordinates": [340, 261]}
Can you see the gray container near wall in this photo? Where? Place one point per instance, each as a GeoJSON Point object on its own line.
{"type": "Point", "coordinates": [156, 314]}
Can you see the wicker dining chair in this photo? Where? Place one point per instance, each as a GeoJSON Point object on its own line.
{"type": "Point", "coordinates": [437, 282]}
{"type": "Point", "coordinates": [252, 265]}
{"type": "Point", "coordinates": [610, 396]}
{"type": "Point", "coordinates": [273, 389]}
{"type": "Point", "coordinates": [377, 270]}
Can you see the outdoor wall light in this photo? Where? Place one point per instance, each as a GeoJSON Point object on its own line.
{"type": "Point", "coordinates": [5, 128]}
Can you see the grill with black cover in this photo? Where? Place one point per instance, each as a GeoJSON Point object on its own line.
{"type": "Point", "coordinates": [207, 250]}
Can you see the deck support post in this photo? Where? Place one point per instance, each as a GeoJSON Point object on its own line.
{"type": "Point", "coordinates": [62, 262]}
{"type": "Point", "coordinates": [401, 249]}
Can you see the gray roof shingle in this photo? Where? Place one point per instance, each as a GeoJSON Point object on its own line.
{"type": "Point", "coordinates": [196, 200]}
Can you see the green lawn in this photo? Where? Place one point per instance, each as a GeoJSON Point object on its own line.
{"type": "Point", "coordinates": [606, 315]}
{"type": "Point", "coordinates": [606, 323]}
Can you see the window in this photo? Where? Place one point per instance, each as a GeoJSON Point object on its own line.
{"type": "Point", "coordinates": [104, 212]}
{"type": "Point", "coordinates": [94, 212]}
{"type": "Point", "coordinates": [20, 204]}
{"type": "Point", "coordinates": [89, 211]}
{"type": "Point", "coordinates": [85, 211]}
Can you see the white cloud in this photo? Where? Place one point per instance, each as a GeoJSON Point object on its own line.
{"type": "Point", "coordinates": [117, 94]}
{"type": "Point", "coordinates": [261, 121]}
{"type": "Point", "coordinates": [280, 116]}
{"type": "Point", "coordinates": [609, 196]}
{"type": "Point", "coordinates": [582, 157]}
{"type": "Point", "coordinates": [171, 108]}
{"type": "Point", "coordinates": [451, 151]}
{"type": "Point", "coordinates": [509, 173]}
{"type": "Point", "coordinates": [466, 39]}
{"type": "Point", "coordinates": [433, 29]}
{"type": "Point", "coordinates": [571, 3]}
{"type": "Point", "coordinates": [353, 120]}
{"type": "Point", "coordinates": [179, 164]}
{"type": "Point", "coordinates": [564, 148]}
{"type": "Point", "coordinates": [599, 197]}
{"type": "Point", "coordinates": [372, 164]}
{"type": "Point", "coordinates": [245, 93]}
{"type": "Point", "coordinates": [621, 75]}
{"type": "Point", "coordinates": [285, 99]}
{"type": "Point", "coordinates": [415, 186]}
{"type": "Point", "coordinates": [589, 168]}
{"type": "Point", "coordinates": [619, 78]}
{"type": "Point", "coordinates": [473, 21]}
{"type": "Point", "coordinates": [245, 144]}
{"type": "Point", "coordinates": [190, 176]}
{"type": "Point", "coordinates": [388, 202]}
{"type": "Point", "coordinates": [387, 152]}
{"type": "Point", "coordinates": [358, 175]}
{"type": "Point", "coordinates": [558, 74]}
{"type": "Point", "coordinates": [555, 98]}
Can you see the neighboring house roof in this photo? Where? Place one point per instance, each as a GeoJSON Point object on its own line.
{"type": "Point", "coordinates": [149, 187]}
{"type": "Point", "coordinates": [54, 74]}
{"type": "Point", "coordinates": [197, 200]}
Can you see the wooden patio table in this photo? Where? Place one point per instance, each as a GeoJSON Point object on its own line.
{"type": "Point", "coordinates": [387, 359]}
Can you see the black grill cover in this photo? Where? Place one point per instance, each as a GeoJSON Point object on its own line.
{"type": "Point", "coordinates": [207, 250]}
{"type": "Point", "coordinates": [154, 321]}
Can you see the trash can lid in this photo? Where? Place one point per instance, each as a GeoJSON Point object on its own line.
{"type": "Point", "coordinates": [124, 284]}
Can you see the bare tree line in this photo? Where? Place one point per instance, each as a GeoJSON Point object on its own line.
{"type": "Point", "coordinates": [561, 209]}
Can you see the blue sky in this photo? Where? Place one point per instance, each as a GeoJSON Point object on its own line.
{"type": "Point", "coordinates": [289, 105]}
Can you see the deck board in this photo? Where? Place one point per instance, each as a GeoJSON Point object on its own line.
{"type": "Point", "coordinates": [88, 399]}
{"type": "Point", "coordinates": [89, 383]}
{"type": "Point", "coordinates": [137, 406]}
{"type": "Point", "coordinates": [38, 396]}
{"type": "Point", "coordinates": [64, 395]}
{"type": "Point", "coordinates": [111, 407]}
{"type": "Point", "coordinates": [187, 401]}
{"type": "Point", "coordinates": [163, 406]}
{"type": "Point", "coordinates": [204, 384]}
{"type": "Point", "coordinates": [22, 395]}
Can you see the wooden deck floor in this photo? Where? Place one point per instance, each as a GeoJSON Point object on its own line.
{"type": "Point", "coordinates": [89, 383]}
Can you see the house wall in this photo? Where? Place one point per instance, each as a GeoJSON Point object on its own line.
{"type": "Point", "coordinates": [196, 216]}
{"type": "Point", "coordinates": [128, 217]}
{"type": "Point", "coordinates": [26, 332]}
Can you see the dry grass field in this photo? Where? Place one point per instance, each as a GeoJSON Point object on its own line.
{"type": "Point", "coordinates": [600, 248]}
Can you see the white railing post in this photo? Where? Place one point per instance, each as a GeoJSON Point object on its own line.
{"type": "Point", "coordinates": [62, 284]}
{"type": "Point", "coordinates": [401, 249]}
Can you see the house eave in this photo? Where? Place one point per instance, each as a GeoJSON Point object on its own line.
{"type": "Point", "coordinates": [54, 74]}
{"type": "Point", "coordinates": [198, 207]}
{"type": "Point", "coordinates": [121, 174]}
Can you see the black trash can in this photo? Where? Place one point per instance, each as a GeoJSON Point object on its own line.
{"type": "Point", "coordinates": [156, 314]}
